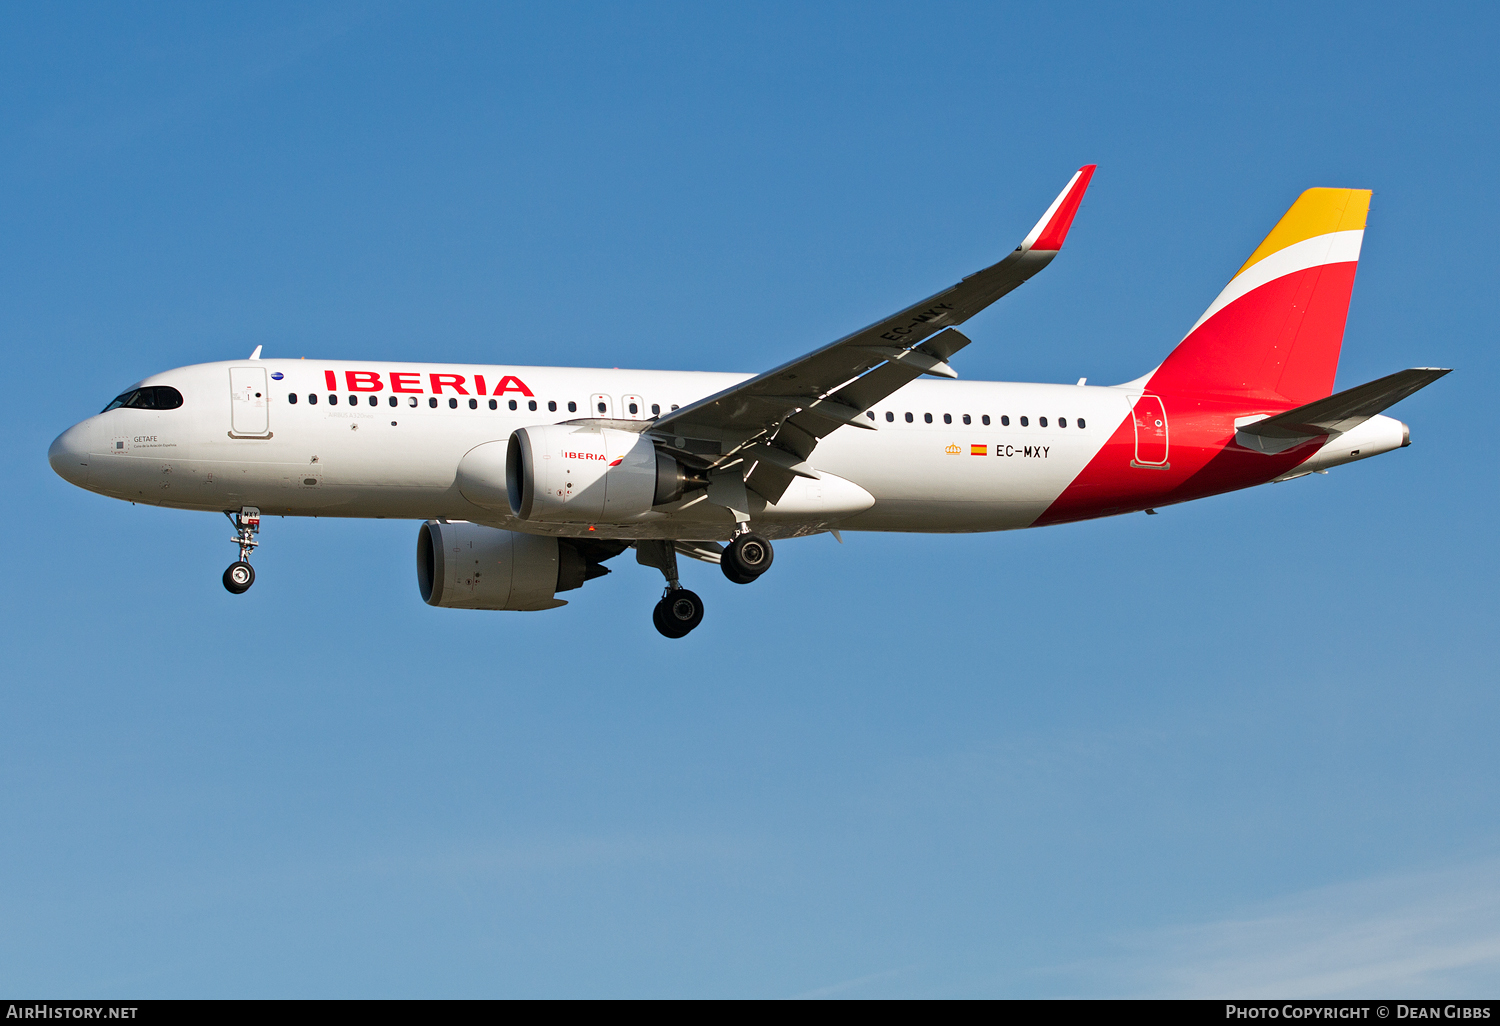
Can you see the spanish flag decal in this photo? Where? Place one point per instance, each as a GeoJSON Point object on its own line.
{"type": "Point", "coordinates": [979, 450]}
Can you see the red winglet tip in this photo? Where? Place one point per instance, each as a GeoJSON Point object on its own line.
{"type": "Point", "coordinates": [1056, 231]}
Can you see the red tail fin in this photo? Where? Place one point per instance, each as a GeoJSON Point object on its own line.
{"type": "Point", "coordinates": [1276, 329]}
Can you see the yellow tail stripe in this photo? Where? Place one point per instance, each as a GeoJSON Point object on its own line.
{"type": "Point", "coordinates": [1316, 212]}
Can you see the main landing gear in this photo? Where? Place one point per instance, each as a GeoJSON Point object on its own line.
{"type": "Point", "coordinates": [743, 560]}
{"type": "Point", "coordinates": [240, 575]}
{"type": "Point", "coordinates": [746, 557]}
{"type": "Point", "coordinates": [679, 610]}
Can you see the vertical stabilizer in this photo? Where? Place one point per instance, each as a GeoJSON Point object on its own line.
{"type": "Point", "coordinates": [1275, 331]}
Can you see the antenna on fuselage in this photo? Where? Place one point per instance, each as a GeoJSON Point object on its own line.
{"type": "Point", "coordinates": [256, 355]}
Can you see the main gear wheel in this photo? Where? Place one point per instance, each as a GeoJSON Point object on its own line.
{"type": "Point", "coordinates": [746, 557]}
{"type": "Point", "coordinates": [678, 612]}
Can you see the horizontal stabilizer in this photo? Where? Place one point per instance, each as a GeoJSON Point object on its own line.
{"type": "Point", "coordinates": [1344, 410]}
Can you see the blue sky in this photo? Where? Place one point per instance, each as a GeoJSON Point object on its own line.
{"type": "Point", "coordinates": [1246, 746]}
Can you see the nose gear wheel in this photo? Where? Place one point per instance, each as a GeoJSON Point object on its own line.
{"type": "Point", "coordinates": [239, 577]}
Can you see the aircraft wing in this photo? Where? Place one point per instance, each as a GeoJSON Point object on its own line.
{"type": "Point", "coordinates": [772, 422]}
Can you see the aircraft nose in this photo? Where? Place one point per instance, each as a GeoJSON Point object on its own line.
{"type": "Point", "coordinates": [69, 455]}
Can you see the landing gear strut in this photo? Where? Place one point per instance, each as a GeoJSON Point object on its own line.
{"type": "Point", "coordinates": [746, 557]}
{"type": "Point", "coordinates": [679, 610]}
{"type": "Point", "coordinates": [240, 575]}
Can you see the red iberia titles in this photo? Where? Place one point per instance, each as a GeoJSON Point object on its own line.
{"type": "Point", "coordinates": [410, 382]}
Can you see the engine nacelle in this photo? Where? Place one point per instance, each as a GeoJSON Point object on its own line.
{"type": "Point", "coordinates": [567, 473]}
{"type": "Point", "coordinates": [470, 566]}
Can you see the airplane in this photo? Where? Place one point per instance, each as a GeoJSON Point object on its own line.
{"type": "Point", "coordinates": [528, 479]}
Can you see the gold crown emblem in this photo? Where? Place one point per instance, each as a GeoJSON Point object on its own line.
{"type": "Point", "coordinates": [953, 450]}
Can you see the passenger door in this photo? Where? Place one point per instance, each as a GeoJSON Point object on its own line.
{"type": "Point", "coordinates": [249, 404]}
{"type": "Point", "coordinates": [1150, 432]}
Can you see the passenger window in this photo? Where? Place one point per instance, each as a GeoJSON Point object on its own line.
{"type": "Point", "coordinates": [1004, 420]}
{"type": "Point", "coordinates": [1081, 424]}
{"type": "Point", "coordinates": [602, 408]}
{"type": "Point", "coordinates": [531, 406]}
{"type": "Point", "coordinates": [412, 402]}
{"type": "Point", "coordinates": [551, 406]}
{"type": "Point", "coordinates": [908, 418]}
{"type": "Point", "coordinates": [966, 419]}
{"type": "Point", "coordinates": [656, 409]}
{"type": "Point", "coordinates": [333, 400]}
{"type": "Point", "coordinates": [985, 420]}
{"type": "Point", "coordinates": [374, 401]}
{"type": "Point", "coordinates": [889, 416]}
{"type": "Point", "coordinates": [634, 408]}
{"type": "Point", "coordinates": [1062, 421]}
{"type": "Point", "coordinates": [512, 404]}
{"type": "Point", "coordinates": [292, 398]}
{"type": "Point", "coordinates": [927, 418]}
{"type": "Point", "coordinates": [947, 418]}
{"type": "Point", "coordinates": [452, 403]}
{"type": "Point", "coordinates": [312, 399]}
{"type": "Point", "coordinates": [432, 402]}
{"type": "Point", "coordinates": [494, 405]}
{"type": "Point", "coordinates": [392, 400]}
{"type": "Point", "coordinates": [1041, 421]}
{"type": "Point", "coordinates": [870, 414]}
{"type": "Point", "coordinates": [1025, 422]}
{"type": "Point", "coordinates": [674, 406]}
{"type": "Point", "coordinates": [572, 407]}
{"type": "Point", "coordinates": [473, 404]}
{"type": "Point", "coordinates": [354, 400]}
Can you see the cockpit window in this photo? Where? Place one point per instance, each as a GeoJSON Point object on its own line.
{"type": "Point", "coordinates": [155, 397]}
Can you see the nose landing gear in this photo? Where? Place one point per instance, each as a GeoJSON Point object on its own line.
{"type": "Point", "coordinates": [240, 575]}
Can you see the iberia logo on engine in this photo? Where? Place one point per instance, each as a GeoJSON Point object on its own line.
{"type": "Point", "coordinates": [582, 456]}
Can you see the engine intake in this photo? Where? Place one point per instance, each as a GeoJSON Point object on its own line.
{"type": "Point", "coordinates": [470, 566]}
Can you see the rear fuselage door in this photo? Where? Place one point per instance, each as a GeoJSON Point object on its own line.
{"type": "Point", "coordinates": [1150, 432]}
{"type": "Point", "coordinates": [249, 404]}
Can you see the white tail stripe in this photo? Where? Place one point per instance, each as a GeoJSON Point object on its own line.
{"type": "Point", "coordinates": [1333, 248]}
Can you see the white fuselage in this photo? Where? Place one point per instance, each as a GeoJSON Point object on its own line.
{"type": "Point", "coordinates": [351, 457]}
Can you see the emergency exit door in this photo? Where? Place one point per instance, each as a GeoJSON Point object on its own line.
{"type": "Point", "coordinates": [601, 406]}
{"type": "Point", "coordinates": [1150, 432]}
{"type": "Point", "coordinates": [249, 405]}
